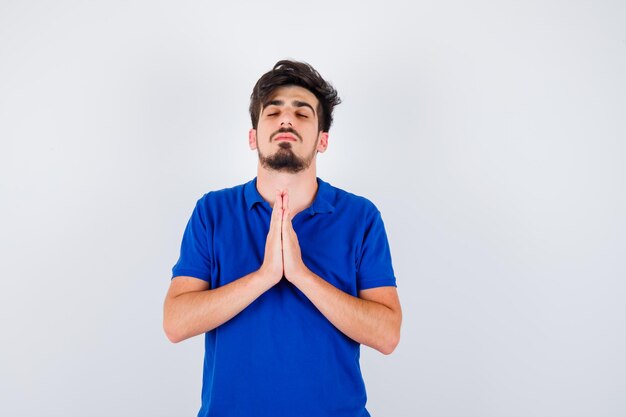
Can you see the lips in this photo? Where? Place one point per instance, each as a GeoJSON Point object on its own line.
{"type": "Point", "coordinates": [286, 134]}
{"type": "Point", "coordinates": [285, 137]}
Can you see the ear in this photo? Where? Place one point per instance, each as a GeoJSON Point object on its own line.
{"type": "Point", "coordinates": [322, 143]}
{"type": "Point", "coordinates": [252, 139]}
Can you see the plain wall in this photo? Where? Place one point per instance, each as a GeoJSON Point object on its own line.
{"type": "Point", "coordinates": [490, 134]}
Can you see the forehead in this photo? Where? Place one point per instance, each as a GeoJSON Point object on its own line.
{"type": "Point", "coordinates": [292, 93]}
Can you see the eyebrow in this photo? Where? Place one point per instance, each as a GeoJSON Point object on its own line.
{"type": "Point", "coordinates": [296, 103]}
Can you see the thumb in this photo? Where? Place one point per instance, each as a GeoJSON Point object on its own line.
{"type": "Point", "coordinates": [286, 219]}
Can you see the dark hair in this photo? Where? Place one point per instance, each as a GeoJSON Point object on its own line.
{"type": "Point", "coordinates": [300, 74]}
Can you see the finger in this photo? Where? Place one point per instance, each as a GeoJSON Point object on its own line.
{"type": "Point", "coordinates": [288, 231]}
{"type": "Point", "coordinates": [286, 199]}
{"type": "Point", "coordinates": [287, 226]}
{"type": "Point", "coordinates": [286, 211]}
{"type": "Point", "coordinates": [277, 211]}
{"type": "Point", "coordinates": [279, 199]}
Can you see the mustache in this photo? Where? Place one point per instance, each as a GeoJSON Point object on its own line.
{"type": "Point", "coordinates": [286, 130]}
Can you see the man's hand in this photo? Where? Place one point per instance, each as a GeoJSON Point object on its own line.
{"type": "Point", "coordinates": [373, 318]}
{"type": "Point", "coordinates": [272, 267]}
{"type": "Point", "coordinates": [192, 307]}
{"type": "Point", "coordinates": [293, 265]}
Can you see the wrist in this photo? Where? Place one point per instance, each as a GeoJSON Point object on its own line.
{"type": "Point", "coordinates": [302, 274]}
{"type": "Point", "coordinates": [268, 277]}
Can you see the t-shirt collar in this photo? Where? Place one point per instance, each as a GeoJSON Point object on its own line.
{"type": "Point", "coordinates": [323, 202]}
{"type": "Point", "coordinates": [251, 194]}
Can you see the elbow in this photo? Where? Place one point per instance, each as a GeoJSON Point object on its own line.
{"type": "Point", "coordinates": [172, 333]}
{"type": "Point", "coordinates": [390, 344]}
{"type": "Point", "coordinates": [172, 337]}
{"type": "Point", "coordinates": [172, 325]}
{"type": "Point", "coordinates": [392, 338]}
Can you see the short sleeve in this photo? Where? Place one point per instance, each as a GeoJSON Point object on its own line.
{"type": "Point", "coordinates": [195, 250]}
{"type": "Point", "coordinates": [374, 268]}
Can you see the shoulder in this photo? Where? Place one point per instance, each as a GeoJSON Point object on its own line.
{"type": "Point", "coordinates": [349, 202]}
{"type": "Point", "coordinates": [224, 195]}
{"type": "Point", "coordinates": [214, 205]}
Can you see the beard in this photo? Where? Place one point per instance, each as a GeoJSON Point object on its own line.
{"type": "Point", "coordinates": [284, 160]}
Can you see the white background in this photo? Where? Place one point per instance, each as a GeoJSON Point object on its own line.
{"type": "Point", "coordinates": [490, 134]}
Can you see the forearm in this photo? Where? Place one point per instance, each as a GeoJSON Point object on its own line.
{"type": "Point", "coordinates": [367, 322]}
{"type": "Point", "coordinates": [193, 313]}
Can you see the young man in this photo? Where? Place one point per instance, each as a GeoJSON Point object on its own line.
{"type": "Point", "coordinates": [285, 275]}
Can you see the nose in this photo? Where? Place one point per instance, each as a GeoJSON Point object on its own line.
{"type": "Point", "coordinates": [286, 119]}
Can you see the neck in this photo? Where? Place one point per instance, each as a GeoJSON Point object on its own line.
{"type": "Point", "coordinates": [301, 187]}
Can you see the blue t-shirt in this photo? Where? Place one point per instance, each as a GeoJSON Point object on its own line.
{"type": "Point", "coordinates": [280, 356]}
